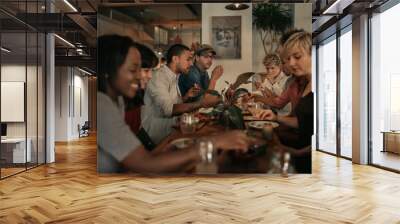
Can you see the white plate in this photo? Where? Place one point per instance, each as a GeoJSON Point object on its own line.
{"type": "Point", "coordinates": [262, 124]}
{"type": "Point", "coordinates": [206, 110]}
{"type": "Point", "coordinates": [181, 143]}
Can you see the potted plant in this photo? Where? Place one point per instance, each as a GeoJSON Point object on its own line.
{"type": "Point", "coordinates": [271, 21]}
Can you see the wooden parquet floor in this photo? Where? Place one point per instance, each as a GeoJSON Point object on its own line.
{"type": "Point", "coordinates": [70, 191]}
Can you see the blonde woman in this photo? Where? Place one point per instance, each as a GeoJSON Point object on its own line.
{"type": "Point", "coordinates": [297, 55]}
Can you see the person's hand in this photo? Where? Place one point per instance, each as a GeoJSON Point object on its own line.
{"type": "Point", "coordinates": [258, 85]}
{"type": "Point", "coordinates": [232, 140]}
{"type": "Point", "coordinates": [210, 100]}
{"type": "Point", "coordinates": [257, 98]}
{"type": "Point", "coordinates": [267, 93]}
{"type": "Point", "coordinates": [246, 98]}
{"type": "Point", "coordinates": [266, 115]}
{"type": "Point", "coordinates": [217, 73]}
{"type": "Point", "coordinates": [193, 92]}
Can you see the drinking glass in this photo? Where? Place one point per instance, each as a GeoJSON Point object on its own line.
{"type": "Point", "coordinates": [188, 123]}
{"type": "Point", "coordinates": [255, 109]}
{"type": "Point", "coordinates": [206, 150]}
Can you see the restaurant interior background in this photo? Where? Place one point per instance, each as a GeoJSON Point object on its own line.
{"type": "Point", "coordinates": [159, 26]}
{"type": "Point", "coordinates": [356, 162]}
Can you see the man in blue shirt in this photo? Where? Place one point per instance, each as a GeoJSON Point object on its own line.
{"type": "Point", "coordinates": [197, 77]}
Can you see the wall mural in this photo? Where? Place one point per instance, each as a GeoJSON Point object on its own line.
{"type": "Point", "coordinates": [226, 36]}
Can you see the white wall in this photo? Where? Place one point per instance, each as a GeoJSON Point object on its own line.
{"type": "Point", "coordinates": [303, 16]}
{"type": "Point", "coordinates": [232, 67]}
{"type": "Point", "coordinates": [80, 84]}
{"type": "Point", "coordinates": [33, 127]}
{"type": "Point", "coordinates": [9, 73]}
{"type": "Point", "coordinates": [16, 73]}
{"type": "Point", "coordinates": [69, 82]}
{"type": "Point", "coordinates": [61, 103]}
{"type": "Point", "coordinates": [302, 20]}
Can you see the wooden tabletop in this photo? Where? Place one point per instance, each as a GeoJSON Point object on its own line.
{"type": "Point", "coordinates": [266, 160]}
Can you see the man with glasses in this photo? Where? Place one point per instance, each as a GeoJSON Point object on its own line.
{"type": "Point", "coordinates": [197, 76]}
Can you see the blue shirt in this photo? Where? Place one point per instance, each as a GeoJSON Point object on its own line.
{"type": "Point", "coordinates": [195, 75]}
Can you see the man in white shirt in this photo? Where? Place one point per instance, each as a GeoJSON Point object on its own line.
{"type": "Point", "coordinates": [163, 100]}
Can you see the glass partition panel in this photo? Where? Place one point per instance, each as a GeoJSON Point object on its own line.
{"type": "Point", "coordinates": [385, 89]}
{"type": "Point", "coordinates": [327, 96]}
{"type": "Point", "coordinates": [346, 93]}
{"type": "Point", "coordinates": [41, 79]}
{"type": "Point", "coordinates": [32, 98]}
{"type": "Point", "coordinates": [14, 151]}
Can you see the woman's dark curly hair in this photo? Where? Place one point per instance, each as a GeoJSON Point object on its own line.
{"type": "Point", "coordinates": [111, 54]}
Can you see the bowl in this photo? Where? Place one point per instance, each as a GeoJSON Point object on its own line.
{"type": "Point", "coordinates": [182, 143]}
{"type": "Point", "coordinates": [262, 124]}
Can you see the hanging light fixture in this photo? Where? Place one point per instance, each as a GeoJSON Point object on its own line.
{"type": "Point", "coordinates": [159, 50]}
{"type": "Point", "coordinates": [236, 6]}
{"type": "Point", "coordinates": [178, 39]}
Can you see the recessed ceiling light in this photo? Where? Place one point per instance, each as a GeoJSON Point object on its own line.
{"type": "Point", "coordinates": [5, 50]}
{"type": "Point", "coordinates": [70, 5]}
{"type": "Point", "coordinates": [237, 6]}
{"type": "Point", "coordinates": [337, 7]}
{"type": "Point", "coordinates": [84, 71]}
{"type": "Point", "coordinates": [65, 41]}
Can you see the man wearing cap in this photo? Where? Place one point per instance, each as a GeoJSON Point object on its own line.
{"type": "Point", "coordinates": [198, 75]}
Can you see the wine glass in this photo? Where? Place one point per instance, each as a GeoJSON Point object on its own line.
{"type": "Point", "coordinates": [255, 109]}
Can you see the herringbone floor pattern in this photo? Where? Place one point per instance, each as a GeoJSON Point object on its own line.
{"type": "Point", "coordinates": [70, 191]}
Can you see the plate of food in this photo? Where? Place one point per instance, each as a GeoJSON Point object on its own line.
{"type": "Point", "coordinates": [262, 124]}
{"type": "Point", "coordinates": [206, 110]}
{"type": "Point", "coordinates": [181, 143]}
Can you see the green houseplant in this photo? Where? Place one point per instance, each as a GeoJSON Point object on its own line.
{"type": "Point", "coordinates": [271, 21]}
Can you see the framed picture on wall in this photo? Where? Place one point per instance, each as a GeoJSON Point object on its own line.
{"type": "Point", "coordinates": [227, 36]}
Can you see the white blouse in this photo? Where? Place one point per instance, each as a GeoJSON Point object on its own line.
{"type": "Point", "coordinates": [280, 85]}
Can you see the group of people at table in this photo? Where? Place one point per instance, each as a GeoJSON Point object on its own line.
{"type": "Point", "coordinates": [139, 102]}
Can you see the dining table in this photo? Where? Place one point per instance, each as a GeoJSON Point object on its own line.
{"type": "Point", "coordinates": [263, 157]}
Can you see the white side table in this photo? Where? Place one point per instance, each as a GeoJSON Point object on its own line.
{"type": "Point", "coordinates": [18, 149]}
{"type": "Point", "coordinates": [391, 141]}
